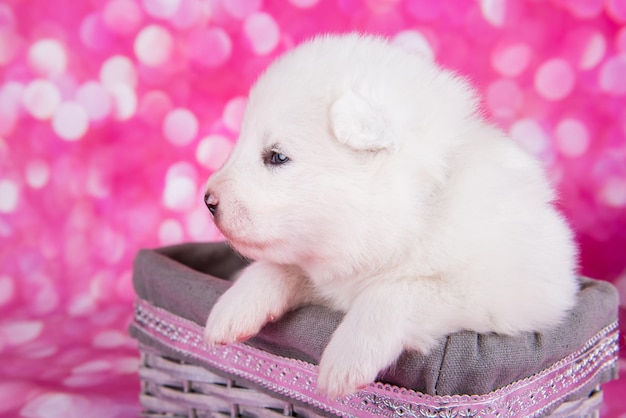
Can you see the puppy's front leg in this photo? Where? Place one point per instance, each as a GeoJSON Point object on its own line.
{"type": "Point", "coordinates": [262, 293]}
{"type": "Point", "coordinates": [369, 339]}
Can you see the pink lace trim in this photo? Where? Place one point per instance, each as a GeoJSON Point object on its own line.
{"type": "Point", "coordinates": [297, 379]}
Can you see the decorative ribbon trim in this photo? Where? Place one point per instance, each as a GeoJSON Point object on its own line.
{"type": "Point", "coordinates": [298, 380]}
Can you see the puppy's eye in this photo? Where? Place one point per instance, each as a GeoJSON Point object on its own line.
{"type": "Point", "coordinates": [276, 158]}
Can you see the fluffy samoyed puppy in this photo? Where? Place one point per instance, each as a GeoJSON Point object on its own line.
{"type": "Point", "coordinates": [366, 180]}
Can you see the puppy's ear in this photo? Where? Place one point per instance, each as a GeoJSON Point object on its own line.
{"type": "Point", "coordinates": [357, 124]}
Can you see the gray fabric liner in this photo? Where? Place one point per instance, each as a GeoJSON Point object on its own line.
{"type": "Point", "coordinates": [187, 279]}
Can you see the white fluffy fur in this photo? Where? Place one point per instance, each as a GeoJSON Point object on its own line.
{"type": "Point", "coordinates": [399, 206]}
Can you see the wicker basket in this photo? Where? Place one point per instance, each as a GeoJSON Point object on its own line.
{"type": "Point", "coordinates": [171, 388]}
{"type": "Point", "coordinates": [242, 381]}
{"type": "Point", "coordinates": [559, 375]}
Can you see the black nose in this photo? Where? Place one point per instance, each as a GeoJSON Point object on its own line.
{"type": "Point", "coordinates": [211, 203]}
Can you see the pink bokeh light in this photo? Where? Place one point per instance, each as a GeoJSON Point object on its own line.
{"type": "Point", "coordinates": [113, 113]}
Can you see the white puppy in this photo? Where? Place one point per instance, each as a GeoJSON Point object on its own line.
{"type": "Point", "coordinates": [366, 180]}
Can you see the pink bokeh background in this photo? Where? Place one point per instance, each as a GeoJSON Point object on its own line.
{"type": "Point", "coordinates": [113, 113]}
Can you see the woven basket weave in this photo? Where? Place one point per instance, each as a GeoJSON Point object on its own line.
{"type": "Point", "coordinates": [173, 388]}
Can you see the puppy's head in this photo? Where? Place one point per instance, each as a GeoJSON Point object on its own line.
{"type": "Point", "coordinates": [319, 170]}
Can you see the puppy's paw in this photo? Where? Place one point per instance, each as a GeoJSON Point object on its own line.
{"type": "Point", "coordinates": [235, 319]}
{"type": "Point", "coordinates": [263, 293]}
{"type": "Point", "coordinates": [344, 370]}
{"type": "Point", "coordinates": [366, 342]}
{"type": "Point", "coordinates": [339, 380]}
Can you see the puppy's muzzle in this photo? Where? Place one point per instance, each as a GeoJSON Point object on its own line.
{"type": "Point", "coordinates": [211, 203]}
